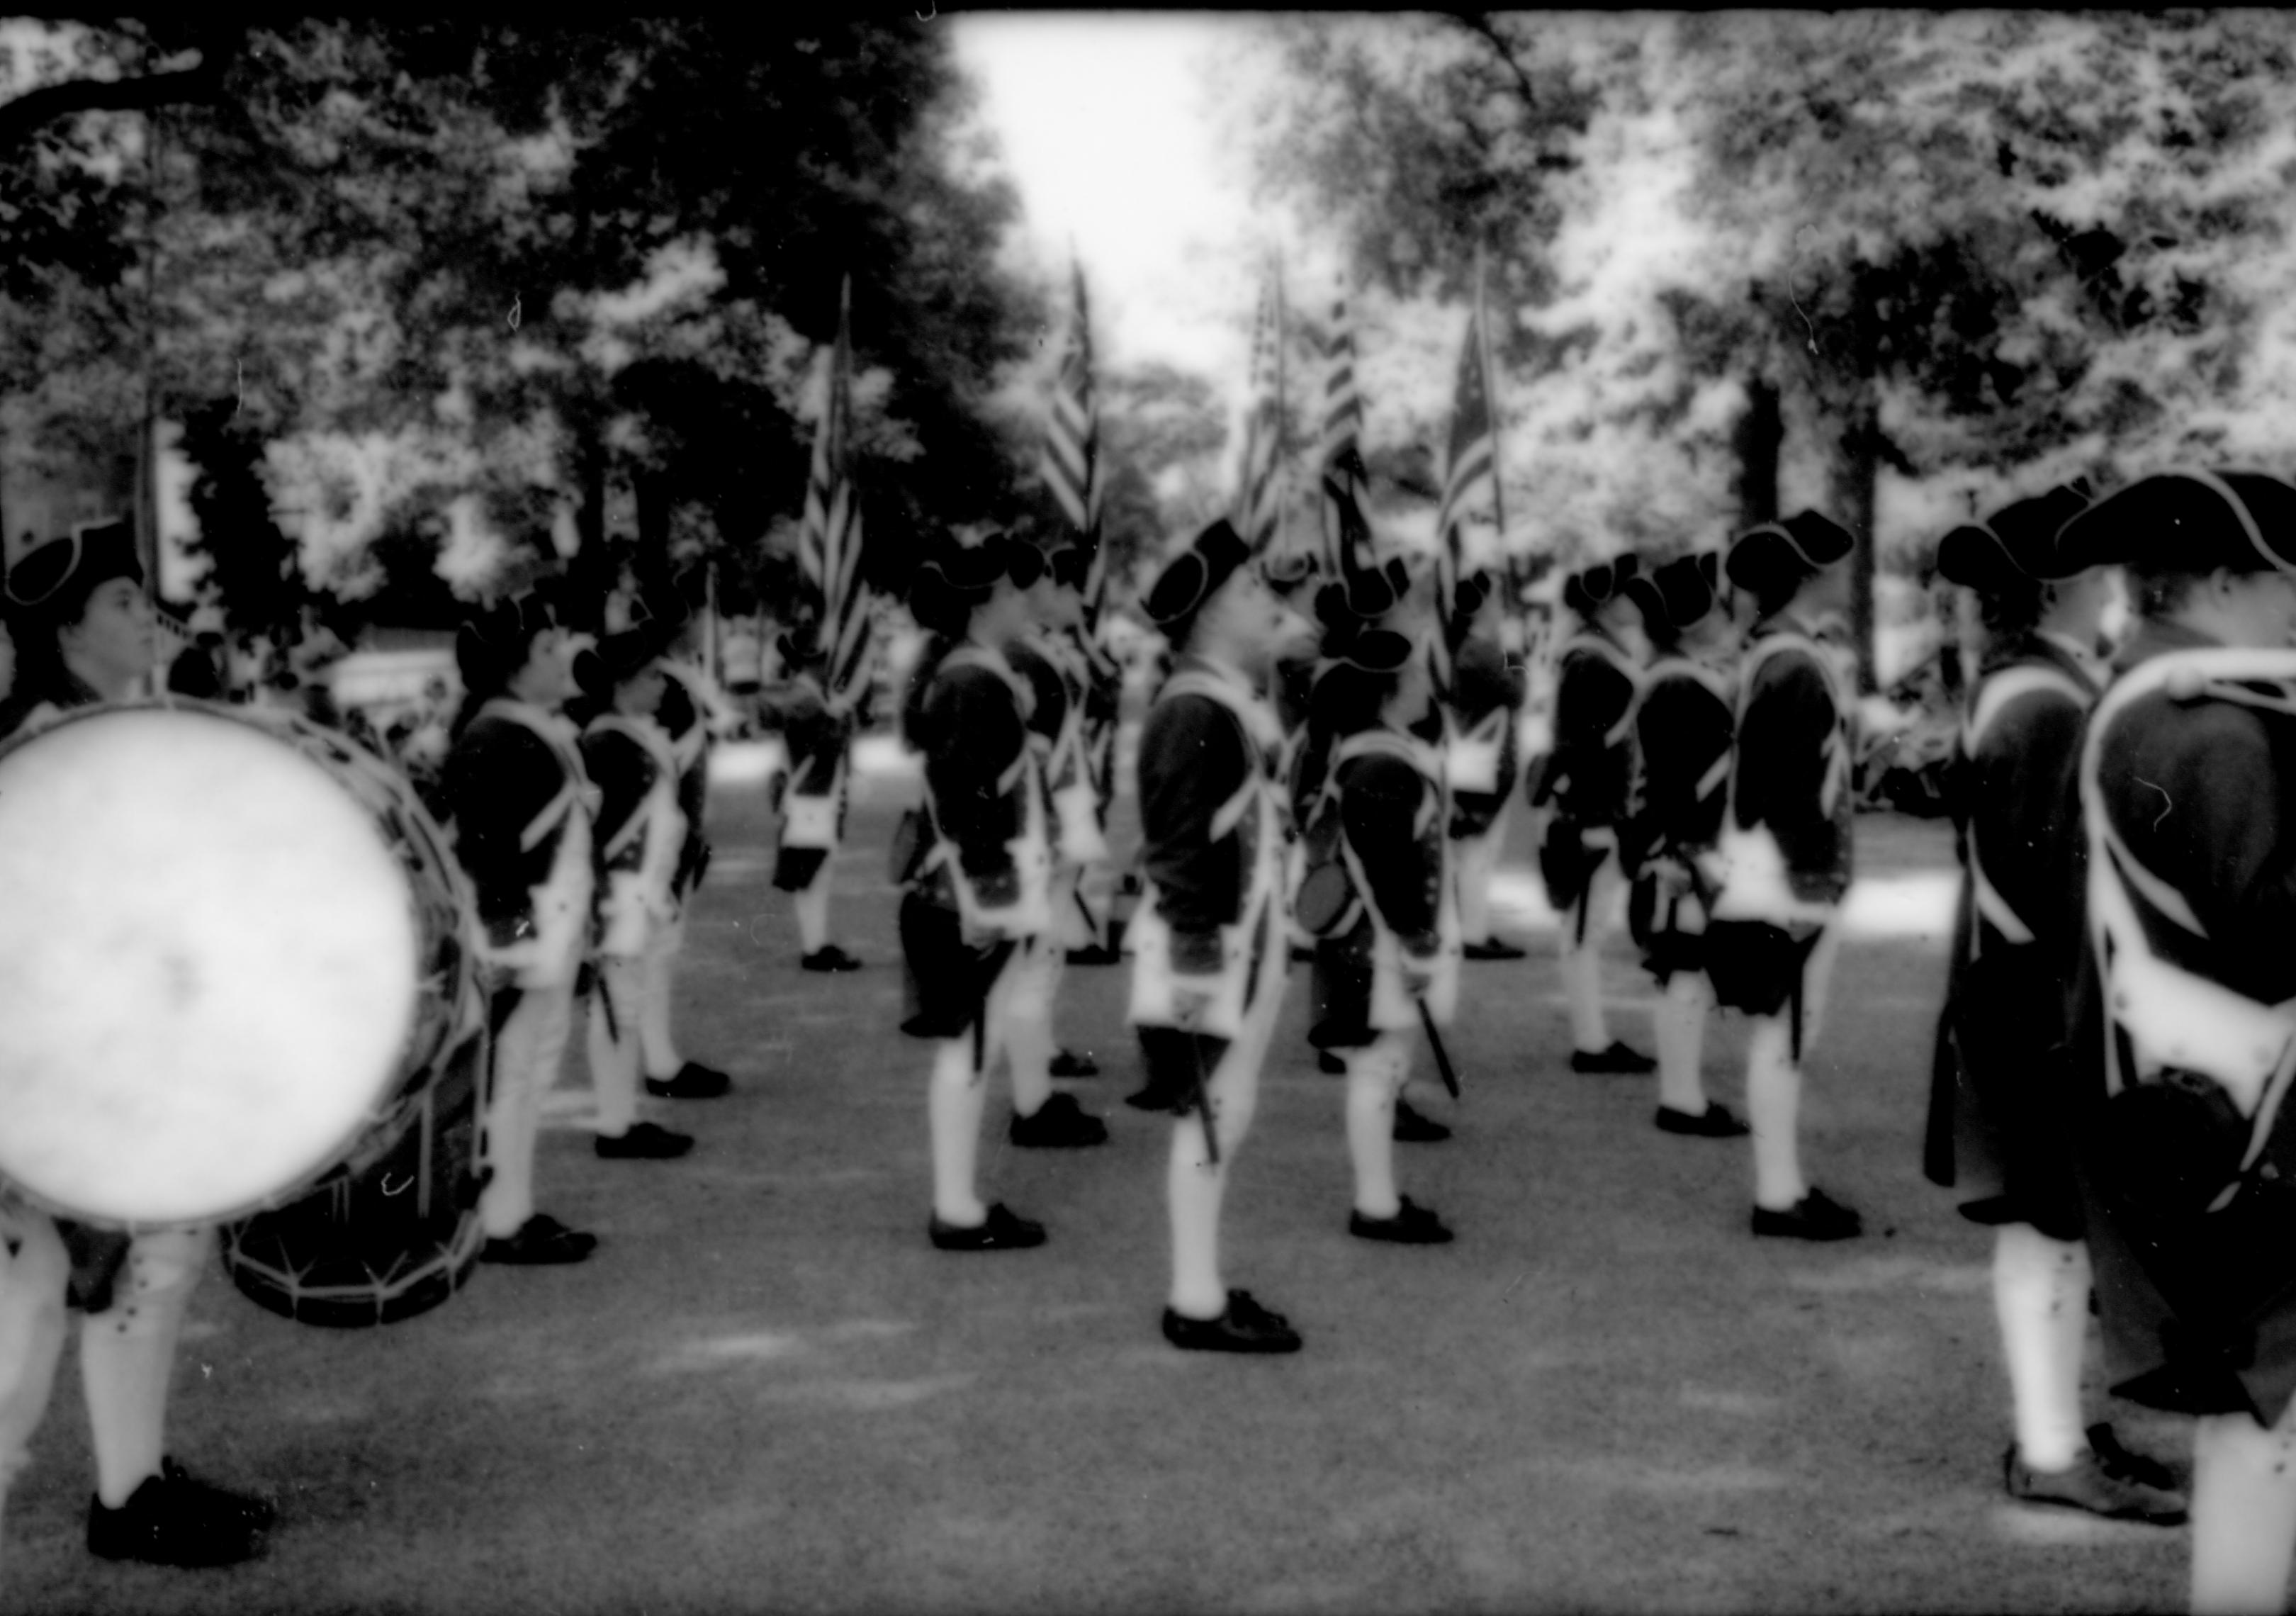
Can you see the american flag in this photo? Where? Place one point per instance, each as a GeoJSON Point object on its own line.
{"type": "Point", "coordinates": [829, 539]}
{"type": "Point", "coordinates": [1348, 549]}
{"type": "Point", "coordinates": [1472, 477]}
{"type": "Point", "coordinates": [1259, 492]}
{"type": "Point", "coordinates": [1071, 453]}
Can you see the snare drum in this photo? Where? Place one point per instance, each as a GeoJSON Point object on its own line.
{"type": "Point", "coordinates": [237, 985]}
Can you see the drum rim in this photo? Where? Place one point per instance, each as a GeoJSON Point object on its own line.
{"type": "Point", "coordinates": [295, 731]}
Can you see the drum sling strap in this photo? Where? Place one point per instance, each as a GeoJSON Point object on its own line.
{"type": "Point", "coordinates": [2250, 1045]}
{"type": "Point", "coordinates": [1992, 696]}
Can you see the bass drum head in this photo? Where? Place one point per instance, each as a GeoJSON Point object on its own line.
{"type": "Point", "coordinates": [207, 966]}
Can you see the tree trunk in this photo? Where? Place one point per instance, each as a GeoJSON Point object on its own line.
{"type": "Point", "coordinates": [1760, 435]}
{"type": "Point", "coordinates": [1861, 474]}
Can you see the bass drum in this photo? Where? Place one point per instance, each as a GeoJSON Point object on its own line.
{"type": "Point", "coordinates": [238, 986]}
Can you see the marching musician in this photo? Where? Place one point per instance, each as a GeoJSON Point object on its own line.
{"type": "Point", "coordinates": [83, 631]}
{"type": "Point", "coordinates": [1582, 793]}
{"type": "Point", "coordinates": [1481, 757]}
{"type": "Point", "coordinates": [978, 871]}
{"type": "Point", "coordinates": [2183, 1040]}
{"type": "Point", "coordinates": [638, 844]}
{"type": "Point", "coordinates": [1209, 943]}
{"type": "Point", "coordinates": [1052, 665]}
{"type": "Point", "coordinates": [1681, 727]}
{"type": "Point", "coordinates": [522, 809]}
{"type": "Point", "coordinates": [1995, 1133]}
{"type": "Point", "coordinates": [812, 795]}
{"type": "Point", "coordinates": [692, 710]}
{"type": "Point", "coordinates": [1785, 848]}
{"type": "Point", "coordinates": [1375, 813]}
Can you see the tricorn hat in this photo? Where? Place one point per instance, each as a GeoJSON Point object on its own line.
{"type": "Point", "coordinates": [2192, 521]}
{"type": "Point", "coordinates": [1773, 556]}
{"type": "Point", "coordinates": [1195, 576]}
{"type": "Point", "coordinates": [1678, 594]}
{"type": "Point", "coordinates": [52, 581]}
{"type": "Point", "coordinates": [1593, 587]}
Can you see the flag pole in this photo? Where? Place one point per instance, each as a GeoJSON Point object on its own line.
{"type": "Point", "coordinates": [1491, 403]}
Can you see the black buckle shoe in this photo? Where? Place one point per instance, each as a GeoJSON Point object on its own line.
{"type": "Point", "coordinates": [541, 1239]}
{"type": "Point", "coordinates": [829, 958]}
{"type": "Point", "coordinates": [645, 1142]}
{"type": "Point", "coordinates": [1067, 1063]}
{"type": "Point", "coordinates": [1330, 1062]}
{"type": "Point", "coordinates": [690, 1081]}
{"type": "Point", "coordinates": [1414, 1127]}
{"type": "Point", "coordinates": [1243, 1326]}
{"type": "Point", "coordinates": [1060, 1123]}
{"type": "Point", "coordinates": [1717, 1121]}
{"type": "Point", "coordinates": [1411, 1226]}
{"type": "Point", "coordinates": [1617, 1061]}
{"type": "Point", "coordinates": [2107, 1480]}
{"type": "Point", "coordinates": [1817, 1216]}
{"type": "Point", "coordinates": [1491, 947]}
{"type": "Point", "coordinates": [1002, 1231]}
{"type": "Point", "coordinates": [173, 1519]}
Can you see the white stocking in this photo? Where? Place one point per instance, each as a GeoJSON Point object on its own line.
{"type": "Point", "coordinates": [615, 1042]}
{"type": "Point", "coordinates": [662, 1057]}
{"type": "Point", "coordinates": [527, 1053]}
{"type": "Point", "coordinates": [812, 905]}
{"type": "Point", "coordinates": [959, 1095]}
{"type": "Point", "coordinates": [1680, 1025]}
{"type": "Point", "coordinates": [1375, 1077]}
{"type": "Point", "coordinates": [2040, 1292]}
{"type": "Point", "coordinates": [128, 1355]}
{"type": "Point", "coordinates": [1773, 1109]}
{"type": "Point", "coordinates": [2243, 1514]}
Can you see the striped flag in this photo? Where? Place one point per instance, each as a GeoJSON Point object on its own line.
{"type": "Point", "coordinates": [1258, 509]}
{"type": "Point", "coordinates": [1071, 460]}
{"type": "Point", "coordinates": [1349, 547]}
{"type": "Point", "coordinates": [1472, 475]}
{"type": "Point", "coordinates": [829, 537]}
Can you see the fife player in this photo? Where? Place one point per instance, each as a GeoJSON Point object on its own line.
{"type": "Point", "coordinates": [1209, 943]}
{"type": "Point", "coordinates": [2185, 1042]}
{"type": "Point", "coordinates": [1682, 726]}
{"type": "Point", "coordinates": [1581, 792]}
{"type": "Point", "coordinates": [1785, 842]}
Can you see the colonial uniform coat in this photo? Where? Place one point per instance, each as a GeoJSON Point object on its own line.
{"type": "Point", "coordinates": [523, 807]}
{"type": "Point", "coordinates": [1996, 1134]}
{"type": "Point", "coordinates": [815, 792]}
{"type": "Point", "coordinates": [1787, 834]}
{"type": "Point", "coordinates": [1393, 808]}
{"type": "Point", "coordinates": [641, 831]}
{"type": "Point", "coordinates": [1684, 726]}
{"type": "Point", "coordinates": [983, 859]}
{"type": "Point", "coordinates": [1212, 855]}
{"type": "Point", "coordinates": [2187, 791]}
{"type": "Point", "coordinates": [1585, 780]}
{"type": "Point", "coordinates": [1481, 759]}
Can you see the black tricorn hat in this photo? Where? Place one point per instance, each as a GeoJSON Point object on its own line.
{"type": "Point", "coordinates": [1195, 576]}
{"type": "Point", "coordinates": [1772, 554]}
{"type": "Point", "coordinates": [2016, 546]}
{"type": "Point", "coordinates": [1678, 594]}
{"type": "Point", "coordinates": [627, 652]}
{"type": "Point", "coordinates": [55, 579]}
{"type": "Point", "coordinates": [2190, 522]}
{"type": "Point", "coordinates": [495, 641]}
{"type": "Point", "coordinates": [1593, 587]}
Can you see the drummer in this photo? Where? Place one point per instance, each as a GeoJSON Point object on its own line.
{"type": "Point", "coordinates": [83, 634]}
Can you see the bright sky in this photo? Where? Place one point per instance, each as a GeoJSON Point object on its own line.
{"type": "Point", "coordinates": [1107, 128]}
